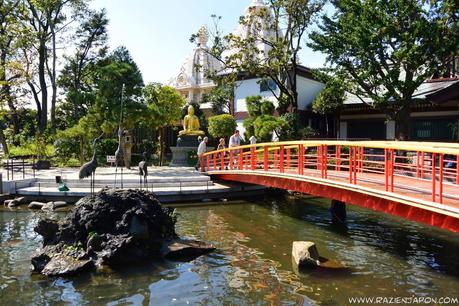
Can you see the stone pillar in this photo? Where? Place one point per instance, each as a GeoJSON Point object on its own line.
{"type": "Point", "coordinates": [390, 130]}
{"type": "Point", "coordinates": [343, 130]}
{"type": "Point", "coordinates": [338, 211]}
{"type": "Point", "coordinates": [127, 149]}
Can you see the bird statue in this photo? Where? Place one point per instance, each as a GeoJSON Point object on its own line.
{"type": "Point", "coordinates": [143, 171]}
{"type": "Point", "coordinates": [89, 169]}
{"type": "Point", "coordinates": [119, 155]}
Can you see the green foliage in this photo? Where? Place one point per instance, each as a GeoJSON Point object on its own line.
{"type": "Point", "coordinates": [222, 125]}
{"type": "Point", "coordinates": [192, 158]}
{"type": "Point", "coordinates": [37, 149]}
{"type": "Point", "coordinates": [307, 133]}
{"type": "Point", "coordinates": [164, 105]}
{"type": "Point", "coordinates": [261, 121]}
{"type": "Point", "coordinates": [115, 73]}
{"type": "Point", "coordinates": [331, 98]}
{"type": "Point", "coordinates": [106, 147]}
{"type": "Point", "coordinates": [266, 125]}
{"type": "Point", "coordinates": [386, 49]}
{"type": "Point", "coordinates": [220, 98]}
{"type": "Point", "coordinates": [78, 75]}
{"type": "Point", "coordinates": [253, 105]}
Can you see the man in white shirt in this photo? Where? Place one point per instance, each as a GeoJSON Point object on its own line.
{"type": "Point", "coordinates": [202, 148]}
{"type": "Point", "coordinates": [235, 139]}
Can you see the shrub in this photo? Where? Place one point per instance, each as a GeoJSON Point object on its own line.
{"type": "Point", "coordinates": [222, 125]}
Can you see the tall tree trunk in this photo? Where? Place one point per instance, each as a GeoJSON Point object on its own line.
{"type": "Point", "coordinates": [3, 142]}
{"type": "Point", "coordinates": [53, 79]}
{"type": "Point", "coordinates": [161, 145]}
{"type": "Point", "coordinates": [13, 111]}
{"type": "Point", "coordinates": [402, 123]}
{"type": "Point", "coordinates": [42, 79]}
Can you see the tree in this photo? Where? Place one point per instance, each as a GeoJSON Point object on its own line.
{"type": "Point", "coordinates": [11, 38]}
{"type": "Point", "coordinates": [164, 108]}
{"type": "Point", "coordinates": [386, 49]}
{"type": "Point", "coordinates": [261, 121]}
{"type": "Point", "coordinates": [220, 98]}
{"type": "Point", "coordinates": [330, 100]}
{"type": "Point", "coordinates": [47, 19]}
{"type": "Point", "coordinates": [76, 78]}
{"type": "Point", "coordinates": [274, 56]}
{"type": "Point", "coordinates": [222, 125]}
{"type": "Point", "coordinates": [117, 77]}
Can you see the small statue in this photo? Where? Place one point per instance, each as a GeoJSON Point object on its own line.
{"type": "Point", "coordinates": [191, 124]}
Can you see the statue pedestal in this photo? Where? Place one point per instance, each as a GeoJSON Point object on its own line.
{"type": "Point", "coordinates": [180, 156]}
{"type": "Point", "coordinates": [188, 141]}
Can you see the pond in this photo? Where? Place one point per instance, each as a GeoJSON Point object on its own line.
{"type": "Point", "coordinates": [385, 257]}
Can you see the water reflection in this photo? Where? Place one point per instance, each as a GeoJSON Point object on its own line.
{"type": "Point", "coordinates": [384, 256]}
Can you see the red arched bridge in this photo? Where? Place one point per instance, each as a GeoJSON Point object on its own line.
{"type": "Point", "coordinates": [418, 181]}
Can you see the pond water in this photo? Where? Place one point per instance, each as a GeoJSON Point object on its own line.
{"type": "Point", "coordinates": [384, 256]}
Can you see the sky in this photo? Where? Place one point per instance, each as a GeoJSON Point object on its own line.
{"type": "Point", "coordinates": [157, 32]}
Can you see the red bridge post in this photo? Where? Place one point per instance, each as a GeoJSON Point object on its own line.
{"type": "Point", "coordinates": [281, 159]}
{"type": "Point", "coordinates": [434, 174]}
{"type": "Point", "coordinates": [266, 157]}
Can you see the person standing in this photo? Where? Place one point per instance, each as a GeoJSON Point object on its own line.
{"type": "Point", "coordinates": [202, 148]}
{"type": "Point", "coordinates": [235, 141]}
{"type": "Point", "coordinates": [221, 144]}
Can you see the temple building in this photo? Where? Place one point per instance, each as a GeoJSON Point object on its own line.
{"type": "Point", "coordinates": [434, 115]}
{"type": "Point", "coordinates": [192, 81]}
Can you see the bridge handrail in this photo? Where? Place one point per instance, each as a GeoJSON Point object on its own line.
{"type": "Point", "coordinates": [426, 147]}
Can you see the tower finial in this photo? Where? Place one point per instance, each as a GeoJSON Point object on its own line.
{"type": "Point", "coordinates": [203, 36]}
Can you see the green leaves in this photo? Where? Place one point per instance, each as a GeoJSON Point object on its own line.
{"type": "Point", "coordinates": [222, 125]}
{"type": "Point", "coordinates": [164, 105]}
{"type": "Point", "coordinates": [387, 48]}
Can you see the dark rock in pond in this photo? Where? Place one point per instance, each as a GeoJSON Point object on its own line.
{"type": "Point", "coordinates": [181, 249]}
{"type": "Point", "coordinates": [111, 228]}
{"type": "Point", "coordinates": [62, 265]}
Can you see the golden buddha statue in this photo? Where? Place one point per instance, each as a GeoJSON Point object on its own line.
{"type": "Point", "coordinates": [191, 124]}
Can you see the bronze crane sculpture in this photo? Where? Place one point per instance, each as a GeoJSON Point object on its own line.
{"type": "Point", "coordinates": [119, 153]}
{"type": "Point", "coordinates": [89, 169]}
{"type": "Point", "coordinates": [143, 171]}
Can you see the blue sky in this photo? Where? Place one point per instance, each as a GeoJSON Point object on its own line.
{"type": "Point", "coordinates": [157, 32]}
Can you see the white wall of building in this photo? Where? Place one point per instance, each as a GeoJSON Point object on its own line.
{"type": "Point", "coordinates": [307, 90]}
{"type": "Point", "coordinates": [240, 127]}
{"type": "Point", "coordinates": [247, 88]}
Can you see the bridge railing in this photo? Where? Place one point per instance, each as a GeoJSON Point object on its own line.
{"type": "Point", "coordinates": [421, 167]}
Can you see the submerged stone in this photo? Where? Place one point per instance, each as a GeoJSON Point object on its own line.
{"type": "Point", "coordinates": [305, 254]}
{"type": "Point", "coordinates": [181, 249]}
